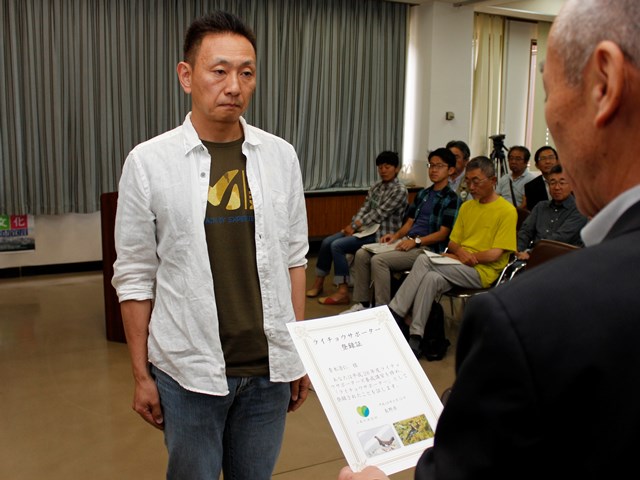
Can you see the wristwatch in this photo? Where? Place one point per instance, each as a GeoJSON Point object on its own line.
{"type": "Point", "coordinates": [418, 240]}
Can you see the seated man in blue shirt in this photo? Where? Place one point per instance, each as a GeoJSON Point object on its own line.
{"type": "Point", "coordinates": [555, 219]}
{"type": "Point", "coordinates": [429, 222]}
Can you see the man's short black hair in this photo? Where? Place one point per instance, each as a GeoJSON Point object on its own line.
{"type": "Point", "coordinates": [217, 21]}
{"type": "Point", "coordinates": [521, 148]}
{"type": "Point", "coordinates": [388, 157]}
{"type": "Point", "coordinates": [556, 169]}
{"type": "Point", "coordinates": [536, 156]}
{"type": "Point", "coordinates": [460, 145]}
{"type": "Point", "coordinates": [445, 154]}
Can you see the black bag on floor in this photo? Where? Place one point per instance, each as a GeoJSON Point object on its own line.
{"type": "Point", "coordinates": [434, 342]}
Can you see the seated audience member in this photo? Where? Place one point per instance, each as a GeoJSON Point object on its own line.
{"type": "Point", "coordinates": [385, 205]}
{"type": "Point", "coordinates": [537, 190]}
{"type": "Point", "coordinates": [456, 181]}
{"type": "Point", "coordinates": [552, 359]}
{"type": "Point", "coordinates": [482, 239]}
{"type": "Point", "coordinates": [555, 219]}
{"type": "Point", "coordinates": [511, 187]}
{"type": "Point", "coordinates": [547, 366]}
{"type": "Point", "coordinates": [430, 219]}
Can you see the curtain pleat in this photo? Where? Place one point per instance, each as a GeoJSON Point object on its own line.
{"type": "Point", "coordinates": [83, 81]}
{"type": "Point", "coordinates": [487, 81]}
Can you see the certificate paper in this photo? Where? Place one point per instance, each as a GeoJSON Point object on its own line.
{"type": "Point", "coordinates": [378, 247]}
{"type": "Point", "coordinates": [442, 259]}
{"type": "Point", "coordinates": [381, 406]}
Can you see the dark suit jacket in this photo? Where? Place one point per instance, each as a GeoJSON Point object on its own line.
{"type": "Point", "coordinates": [535, 191]}
{"type": "Point", "coordinates": [548, 372]}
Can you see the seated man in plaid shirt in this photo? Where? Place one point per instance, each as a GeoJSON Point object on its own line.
{"type": "Point", "coordinates": [429, 222]}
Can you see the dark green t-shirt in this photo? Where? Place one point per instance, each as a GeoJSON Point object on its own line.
{"type": "Point", "coordinates": [230, 231]}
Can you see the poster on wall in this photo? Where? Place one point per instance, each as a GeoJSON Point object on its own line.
{"type": "Point", "coordinates": [17, 233]}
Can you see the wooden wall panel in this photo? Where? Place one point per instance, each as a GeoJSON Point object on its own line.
{"type": "Point", "coordinates": [327, 213]}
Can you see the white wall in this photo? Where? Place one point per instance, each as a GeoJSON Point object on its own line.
{"type": "Point", "coordinates": [439, 81]}
{"type": "Point", "coordinates": [60, 239]}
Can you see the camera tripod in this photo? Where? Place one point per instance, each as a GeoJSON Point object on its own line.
{"type": "Point", "coordinates": [497, 155]}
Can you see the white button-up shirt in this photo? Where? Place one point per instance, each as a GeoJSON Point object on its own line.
{"type": "Point", "coordinates": [162, 251]}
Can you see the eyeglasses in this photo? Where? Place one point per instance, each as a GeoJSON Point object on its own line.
{"type": "Point", "coordinates": [547, 157]}
{"type": "Point", "coordinates": [514, 158]}
{"type": "Point", "coordinates": [475, 181]}
{"type": "Point", "coordinates": [437, 165]}
{"type": "Point", "coordinates": [558, 183]}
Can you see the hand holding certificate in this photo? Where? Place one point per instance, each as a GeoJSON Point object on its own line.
{"type": "Point", "coordinates": [381, 406]}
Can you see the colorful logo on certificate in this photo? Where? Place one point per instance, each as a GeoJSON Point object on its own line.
{"type": "Point", "coordinates": [363, 411]}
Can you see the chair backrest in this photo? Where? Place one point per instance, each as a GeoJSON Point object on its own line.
{"type": "Point", "coordinates": [546, 250]}
{"type": "Point", "coordinates": [523, 213]}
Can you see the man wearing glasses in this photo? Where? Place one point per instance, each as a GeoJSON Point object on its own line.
{"type": "Point", "coordinates": [556, 219]}
{"type": "Point", "coordinates": [537, 190]}
{"type": "Point", "coordinates": [481, 241]}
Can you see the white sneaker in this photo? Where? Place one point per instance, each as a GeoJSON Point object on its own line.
{"type": "Point", "coordinates": [356, 307]}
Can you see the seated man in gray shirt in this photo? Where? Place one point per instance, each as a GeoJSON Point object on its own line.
{"type": "Point", "coordinates": [555, 219]}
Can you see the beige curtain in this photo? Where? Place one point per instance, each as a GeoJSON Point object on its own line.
{"type": "Point", "coordinates": [487, 82]}
{"type": "Point", "coordinates": [83, 81]}
{"type": "Point", "coordinates": [540, 134]}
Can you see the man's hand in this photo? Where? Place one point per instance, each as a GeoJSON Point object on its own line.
{"type": "Point", "coordinates": [522, 255]}
{"type": "Point", "coordinates": [467, 258]}
{"type": "Point", "coordinates": [387, 238]}
{"type": "Point", "coordinates": [299, 392]}
{"type": "Point", "coordinates": [348, 230]}
{"type": "Point", "coordinates": [369, 473]}
{"type": "Point", "coordinates": [146, 402]}
{"type": "Point", "coordinates": [406, 245]}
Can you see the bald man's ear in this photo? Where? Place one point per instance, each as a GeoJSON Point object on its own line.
{"type": "Point", "coordinates": [184, 76]}
{"type": "Point", "coordinates": [606, 74]}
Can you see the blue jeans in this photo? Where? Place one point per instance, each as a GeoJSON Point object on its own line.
{"type": "Point", "coordinates": [336, 247]}
{"type": "Point", "coordinates": [239, 434]}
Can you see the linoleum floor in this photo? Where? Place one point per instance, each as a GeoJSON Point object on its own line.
{"type": "Point", "coordinates": [65, 393]}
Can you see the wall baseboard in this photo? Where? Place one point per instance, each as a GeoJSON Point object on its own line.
{"type": "Point", "coordinates": [16, 272]}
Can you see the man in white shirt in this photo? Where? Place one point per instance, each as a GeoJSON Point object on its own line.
{"type": "Point", "coordinates": [513, 184]}
{"type": "Point", "coordinates": [211, 239]}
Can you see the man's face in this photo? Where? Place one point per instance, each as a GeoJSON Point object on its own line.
{"type": "Point", "coordinates": [480, 186]}
{"type": "Point", "coordinates": [438, 169]}
{"type": "Point", "coordinates": [222, 79]}
{"type": "Point", "coordinates": [387, 172]}
{"type": "Point", "coordinates": [461, 162]}
{"type": "Point", "coordinates": [559, 187]}
{"type": "Point", "coordinates": [517, 163]}
{"type": "Point", "coordinates": [568, 120]}
{"type": "Point", "coordinates": [546, 161]}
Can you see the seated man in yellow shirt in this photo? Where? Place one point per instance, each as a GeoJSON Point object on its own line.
{"type": "Point", "coordinates": [483, 237]}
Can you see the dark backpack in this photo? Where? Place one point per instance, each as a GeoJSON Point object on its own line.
{"type": "Point", "coordinates": [434, 342]}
